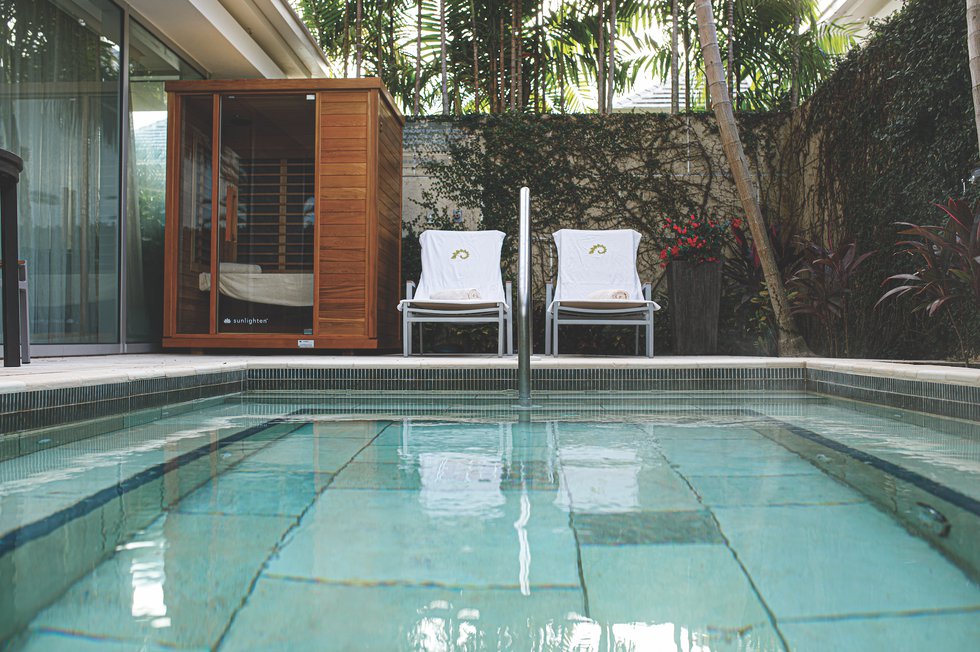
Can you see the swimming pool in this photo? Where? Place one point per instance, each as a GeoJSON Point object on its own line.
{"type": "Point", "coordinates": [682, 521]}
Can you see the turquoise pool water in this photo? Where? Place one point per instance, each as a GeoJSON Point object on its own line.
{"type": "Point", "coordinates": [681, 522]}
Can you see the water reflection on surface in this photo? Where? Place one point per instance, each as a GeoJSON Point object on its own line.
{"type": "Point", "coordinates": [426, 534]}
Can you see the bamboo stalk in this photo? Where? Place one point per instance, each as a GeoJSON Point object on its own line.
{"type": "Point", "coordinates": [789, 340]}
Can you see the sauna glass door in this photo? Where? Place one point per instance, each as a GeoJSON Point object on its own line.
{"type": "Point", "coordinates": [194, 215]}
{"type": "Point", "coordinates": [265, 221]}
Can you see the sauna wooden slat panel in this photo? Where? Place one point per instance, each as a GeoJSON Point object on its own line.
{"type": "Point", "coordinates": [343, 177]}
{"type": "Point", "coordinates": [343, 169]}
{"type": "Point", "coordinates": [344, 108]}
{"type": "Point", "coordinates": [388, 233]}
{"type": "Point", "coordinates": [343, 182]}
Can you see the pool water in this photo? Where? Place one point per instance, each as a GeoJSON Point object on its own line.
{"type": "Point", "coordinates": [645, 523]}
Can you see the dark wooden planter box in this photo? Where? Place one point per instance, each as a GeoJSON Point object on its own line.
{"type": "Point", "coordinates": [695, 297]}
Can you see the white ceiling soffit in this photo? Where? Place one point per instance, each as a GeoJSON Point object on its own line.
{"type": "Point", "coordinates": [858, 10]}
{"type": "Point", "coordinates": [235, 39]}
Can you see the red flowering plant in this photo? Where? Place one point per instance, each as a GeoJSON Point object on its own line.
{"type": "Point", "coordinates": [695, 240]}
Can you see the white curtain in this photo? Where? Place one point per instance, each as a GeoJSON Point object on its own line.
{"type": "Point", "coordinates": [59, 112]}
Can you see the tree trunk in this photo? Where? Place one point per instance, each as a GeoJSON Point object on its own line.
{"type": "Point", "coordinates": [391, 33]}
{"type": "Point", "coordinates": [790, 342]}
{"type": "Point", "coordinates": [794, 81]}
{"type": "Point", "coordinates": [687, 72]}
{"type": "Point", "coordinates": [675, 77]}
{"type": "Point", "coordinates": [418, 58]}
{"type": "Point", "coordinates": [536, 78]}
{"type": "Point", "coordinates": [601, 59]}
{"type": "Point", "coordinates": [519, 20]}
{"type": "Point", "coordinates": [730, 20]}
{"type": "Point", "coordinates": [502, 86]}
{"type": "Point", "coordinates": [476, 61]}
{"type": "Point", "coordinates": [973, 45]}
{"type": "Point", "coordinates": [379, 68]}
{"type": "Point", "coordinates": [611, 72]}
{"type": "Point", "coordinates": [358, 45]}
{"type": "Point", "coordinates": [513, 55]}
{"type": "Point", "coordinates": [442, 52]}
{"type": "Point", "coordinates": [346, 43]}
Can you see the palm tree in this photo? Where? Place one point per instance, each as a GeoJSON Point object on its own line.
{"type": "Point", "coordinates": [442, 51]}
{"type": "Point", "coordinates": [973, 47]}
{"type": "Point", "coordinates": [790, 342]}
{"type": "Point", "coordinates": [611, 73]}
{"type": "Point", "coordinates": [358, 41]}
{"type": "Point", "coordinates": [675, 101]}
{"type": "Point", "coordinates": [418, 56]}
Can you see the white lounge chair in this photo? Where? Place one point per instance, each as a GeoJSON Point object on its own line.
{"type": "Point", "coordinates": [597, 283]}
{"type": "Point", "coordinates": [460, 284]}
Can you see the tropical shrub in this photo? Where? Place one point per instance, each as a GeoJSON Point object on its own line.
{"type": "Point", "coordinates": [820, 291]}
{"type": "Point", "coordinates": [947, 266]}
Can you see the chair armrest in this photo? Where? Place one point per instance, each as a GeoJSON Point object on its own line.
{"type": "Point", "coordinates": [509, 294]}
{"type": "Point", "coordinates": [648, 291]}
{"type": "Point", "coordinates": [409, 290]}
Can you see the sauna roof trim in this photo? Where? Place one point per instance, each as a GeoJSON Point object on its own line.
{"type": "Point", "coordinates": [284, 85]}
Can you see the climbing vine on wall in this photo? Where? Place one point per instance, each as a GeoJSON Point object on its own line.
{"type": "Point", "coordinates": [584, 171]}
{"type": "Point", "coordinates": [890, 133]}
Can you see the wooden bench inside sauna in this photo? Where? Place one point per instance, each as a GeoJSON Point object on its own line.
{"type": "Point", "coordinates": [283, 215]}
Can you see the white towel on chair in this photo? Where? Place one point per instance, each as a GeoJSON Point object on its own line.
{"type": "Point", "coordinates": [595, 261]}
{"type": "Point", "coordinates": [455, 294]}
{"type": "Point", "coordinates": [455, 260]}
{"type": "Point", "coordinates": [608, 295]}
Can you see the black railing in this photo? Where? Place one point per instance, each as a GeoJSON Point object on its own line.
{"type": "Point", "coordinates": [11, 166]}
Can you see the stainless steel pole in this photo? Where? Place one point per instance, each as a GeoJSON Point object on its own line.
{"type": "Point", "coordinates": [524, 302]}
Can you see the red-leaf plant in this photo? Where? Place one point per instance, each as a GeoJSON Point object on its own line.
{"type": "Point", "coordinates": [947, 264]}
{"type": "Point", "coordinates": [822, 284]}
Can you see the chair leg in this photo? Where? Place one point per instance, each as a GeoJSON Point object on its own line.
{"type": "Point", "coordinates": [406, 334]}
{"type": "Point", "coordinates": [554, 334]}
{"type": "Point", "coordinates": [547, 330]}
{"type": "Point", "coordinates": [649, 333]}
{"type": "Point", "coordinates": [636, 343]}
{"type": "Point", "coordinates": [510, 332]}
{"type": "Point", "coordinates": [500, 332]}
{"type": "Point", "coordinates": [25, 336]}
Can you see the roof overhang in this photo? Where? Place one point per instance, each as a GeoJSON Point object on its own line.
{"type": "Point", "coordinates": [233, 39]}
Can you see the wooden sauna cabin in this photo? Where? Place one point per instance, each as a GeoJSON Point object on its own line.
{"type": "Point", "coordinates": [283, 215]}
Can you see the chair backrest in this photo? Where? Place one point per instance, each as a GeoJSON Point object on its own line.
{"type": "Point", "coordinates": [454, 260]}
{"type": "Point", "coordinates": [589, 261]}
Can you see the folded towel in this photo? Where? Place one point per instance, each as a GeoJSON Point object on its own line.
{"type": "Point", "coordinates": [456, 294]}
{"type": "Point", "coordinates": [608, 295]}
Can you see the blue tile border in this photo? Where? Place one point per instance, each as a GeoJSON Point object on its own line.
{"type": "Point", "coordinates": [33, 410]}
{"type": "Point", "coordinates": [27, 533]}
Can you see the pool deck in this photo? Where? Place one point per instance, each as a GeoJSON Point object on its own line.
{"type": "Point", "coordinates": [52, 373]}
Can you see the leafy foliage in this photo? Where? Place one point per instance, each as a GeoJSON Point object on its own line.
{"type": "Point", "coordinates": [821, 288]}
{"type": "Point", "coordinates": [539, 56]}
{"type": "Point", "coordinates": [947, 265]}
{"type": "Point", "coordinates": [890, 132]}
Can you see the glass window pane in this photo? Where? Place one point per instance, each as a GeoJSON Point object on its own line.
{"type": "Point", "coordinates": [266, 192]}
{"type": "Point", "coordinates": [151, 64]}
{"type": "Point", "coordinates": [59, 111]}
{"type": "Point", "coordinates": [194, 236]}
